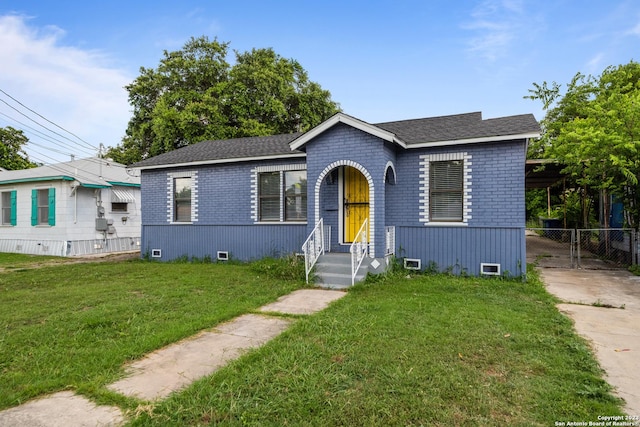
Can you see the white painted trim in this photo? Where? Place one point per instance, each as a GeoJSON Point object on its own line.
{"type": "Point", "coordinates": [393, 168]}
{"type": "Point", "coordinates": [348, 120]}
{"type": "Point", "coordinates": [446, 224]}
{"type": "Point", "coordinates": [194, 195]}
{"type": "Point", "coordinates": [278, 168]}
{"type": "Point", "coordinates": [340, 184]}
{"type": "Point", "coordinates": [280, 223]}
{"type": "Point", "coordinates": [423, 207]}
{"type": "Point", "coordinates": [473, 140]}
{"type": "Point", "coordinates": [255, 215]}
{"type": "Point", "coordinates": [491, 266]}
{"type": "Point", "coordinates": [417, 264]}
{"type": "Point", "coordinates": [367, 175]}
{"type": "Point", "coordinates": [365, 127]}
{"type": "Point", "coordinates": [223, 161]}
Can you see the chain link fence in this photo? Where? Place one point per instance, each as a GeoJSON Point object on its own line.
{"type": "Point", "coordinates": [582, 248]}
{"type": "Point", "coordinates": [601, 248]}
{"type": "Point", "coordinates": [551, 247]}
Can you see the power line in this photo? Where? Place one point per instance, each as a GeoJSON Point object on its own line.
{"type": "Point", "coordinates": [42, 135]}
{"type": "Point", "coordinates": [44, 118]}
{"type": "Point", "coordinates": [39, 124]}
{"type": "Point", "coordinates": [79, 172]}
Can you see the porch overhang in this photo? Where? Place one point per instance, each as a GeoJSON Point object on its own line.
{"type": "Point", "coordinates": [542, 173]}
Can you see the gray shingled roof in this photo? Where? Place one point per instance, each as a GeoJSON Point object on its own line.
{"type": "Point", "coordinates": [417, 131]}
{"type": "Point", "coordinates": [226, 149]}
{"type": "Point", "coordinates": [459, 126]}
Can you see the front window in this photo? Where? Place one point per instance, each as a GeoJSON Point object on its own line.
{"type": "Point", "coordinates": [269, 196]}
{"type": "Point", "coordinates": [282, 195]}
{"type": "Point", "coordinates": [446, 190]}
{"type": "Point", "coordinates": [295, 206]}
{"type": "Point", "coordinates": [182, 199]}
{"type": "Point", "coordinates": [8, 203]}
{"type": "Point", "coordinates": [43, 207]}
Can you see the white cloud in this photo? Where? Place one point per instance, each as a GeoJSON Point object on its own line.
{"type": "Point", "coordinates": [497, 24]}
{"type": "Point", "coordinates": [635, 31]}
{"type": "Point", "coordinates": [75, 88]}
{"type": "Point", "coordinates": [595, 64]}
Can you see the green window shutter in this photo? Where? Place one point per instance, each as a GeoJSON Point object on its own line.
{"type": "Point", "coordinates": [34, 207]}
{"type": "Point", "coordinates": [52, 206]}
{"type": "Point", "coordinates": [13, 214]}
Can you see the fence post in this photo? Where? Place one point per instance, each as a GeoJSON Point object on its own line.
{"type": "Point", "coordinates": [634, 247]}
{"type": "Point", "coordinates": [579, 243]}
{"type": "Point", "coordinates": [572, 250]}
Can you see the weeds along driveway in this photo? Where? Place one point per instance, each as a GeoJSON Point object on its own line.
{"type": "Point", "coordinates": [605, 308]}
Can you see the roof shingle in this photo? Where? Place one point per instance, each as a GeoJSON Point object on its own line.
{"type": "Point", "coordinates": [418, 131]}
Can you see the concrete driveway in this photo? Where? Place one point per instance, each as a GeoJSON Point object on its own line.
{"type": "Point", "coordinates": [605, 308]}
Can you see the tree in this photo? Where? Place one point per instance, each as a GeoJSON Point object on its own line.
{"type": "Point", "coordinates": [195, 95]}
{"type": "Point", "coordinates": [594, 130]}
{"type": "Point", "coordinates": [12, 154]}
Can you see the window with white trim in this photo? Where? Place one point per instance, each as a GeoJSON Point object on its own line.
{"type": "Point", "coordinates": [8, 204]}
{"type": "Point", "coordinates": [281, 195]}
{"type": "Point", "coordinates": [182, 197]}
{"type": "Point", "coordinates": [445, 190]}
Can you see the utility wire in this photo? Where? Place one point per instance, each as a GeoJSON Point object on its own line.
{"type": "Point", "coordinates": [44, 118]}
{"type": "Point", "coordinates": [78, 173]}
{"type": "Point", "coordinates": [42, 135]}
{"type": "Point", "coordinates": [39, 124]}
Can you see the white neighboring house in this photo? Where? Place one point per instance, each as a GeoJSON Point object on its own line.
{"type": "Point", "coordinates": [78, 207]}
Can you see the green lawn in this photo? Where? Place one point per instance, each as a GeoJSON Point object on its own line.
{"type": "Point", "coordinates": [421, 350]}
{"type": "Point", "coordinates": [74, 326]}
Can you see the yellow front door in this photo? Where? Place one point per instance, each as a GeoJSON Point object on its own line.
{"type": "Point", "coordinates": [356, 202]}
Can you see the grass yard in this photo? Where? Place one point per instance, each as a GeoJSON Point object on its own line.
{"type": "Point", "coordinates": [74, 326]}
{"type": "Point", "coordinates": [420, 350]}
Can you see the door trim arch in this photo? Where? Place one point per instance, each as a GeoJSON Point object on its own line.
{"type": "Point", "coordinates": [372, 202]}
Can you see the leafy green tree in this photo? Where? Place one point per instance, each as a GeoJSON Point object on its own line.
{"type": "Point", "coordinates": [594, 131]}
{"type": "Point", "coordinates": [12, 154]}
{"type": "Point", "coordinates": [195, 95]}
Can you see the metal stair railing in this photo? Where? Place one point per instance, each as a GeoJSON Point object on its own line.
{"type": "Point", "coordinates": [313, 247]}
{"type": "Point", "coordinates": [359, 249]}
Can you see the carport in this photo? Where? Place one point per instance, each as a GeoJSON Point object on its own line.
{"type": "Point", "coordinates": [553, 245]}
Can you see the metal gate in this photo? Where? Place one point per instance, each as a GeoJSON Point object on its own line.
{"type": "Point", "coordinates": [606, 248]}
{"type": "Point", "coordinates": [601, 249]}
{"type": "Point", "coordinates": [551, 247]}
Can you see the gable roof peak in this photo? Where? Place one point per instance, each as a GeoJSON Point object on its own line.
{"type": "Point", "coordinates": [348, 120]}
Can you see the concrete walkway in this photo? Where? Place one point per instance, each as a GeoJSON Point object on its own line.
{"type": "Point", "coordinates": [172, 368]}
{"type": "Point", "coordinates": [605, 309]}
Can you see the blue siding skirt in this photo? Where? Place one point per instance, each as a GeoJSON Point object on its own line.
{"type": "Point", "coordinates": [242, 242]}
{"type": "Point", "coordinates": [462, 249]}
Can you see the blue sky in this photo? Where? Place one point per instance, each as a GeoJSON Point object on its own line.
{"type": "Point", "coordinates": [381, 60]}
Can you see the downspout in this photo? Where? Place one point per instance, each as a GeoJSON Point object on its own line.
{"type": "Point", "coordinates": [74, 193]}
{"type": "Point", "coordinates": [75, 196]}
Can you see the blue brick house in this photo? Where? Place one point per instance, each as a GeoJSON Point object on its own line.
{"type": "Point", "coordinates": [442, 192]}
